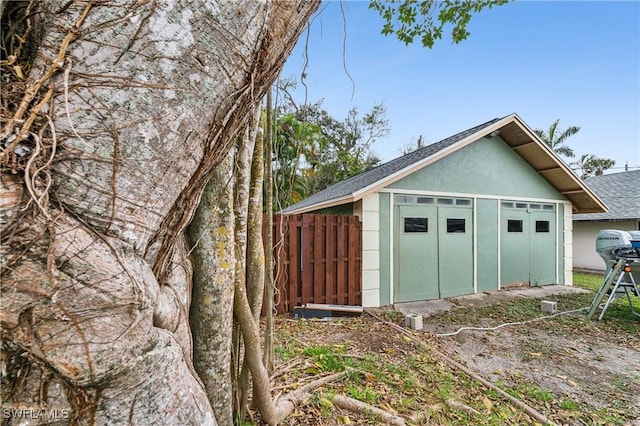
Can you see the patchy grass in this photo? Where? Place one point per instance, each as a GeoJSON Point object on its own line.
{"type": "Point", "coordinates": [386, 370]}
{"type": "Point", "coordinates": [397, 375]}
{"type": "Point", "coordinates": [619, 312]}
{"type": "Point", "coordinates": [394, 373]}
{"type": "Point", "coordinates": [587, 281]}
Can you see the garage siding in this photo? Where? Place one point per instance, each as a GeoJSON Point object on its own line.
{"type": "Point", "coordinates": [487, 245]}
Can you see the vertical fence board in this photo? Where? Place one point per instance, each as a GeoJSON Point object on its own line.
{"type": "Point", "coordinates": [319, 284]}
{"type": "Point", "coordinates": [330, 259]}
{"type": "Point", "coordinates": [307, 259]}
{"type": "Point", "coordinates": [352, 267]}
{"type": "Point", "coordinates": [341, 275]}
{"type": "Point", "coordinates": [295, 225]}
{"type": "Point", "coordinates": [357, 286]}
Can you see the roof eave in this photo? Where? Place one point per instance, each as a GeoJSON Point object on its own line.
{"type": "Point", "coordinates": [324, 205]}
{"type": "Point", "coordinates": [557, 173]}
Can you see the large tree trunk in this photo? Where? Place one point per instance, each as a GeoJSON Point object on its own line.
{"type": "Point", "coordinates": [128, 109]}
{"type": "Point", "coordinates": [210, 235]}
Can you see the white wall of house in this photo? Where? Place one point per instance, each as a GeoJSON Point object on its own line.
{"type": "Point", "coordinates": [584, 237]}
{"type": "Point", "coordinates": [368, 211]}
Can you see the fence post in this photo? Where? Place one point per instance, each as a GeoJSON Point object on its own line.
{"type": "Point", "coordinates": [354, 262]}
{"type": "Point", "coordinates": [331, 243]}
{"type": "Point", "coordinates": [306, 289]}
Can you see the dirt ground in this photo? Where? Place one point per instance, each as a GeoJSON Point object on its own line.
{"type": "Point", "coordinates": [597, 368]}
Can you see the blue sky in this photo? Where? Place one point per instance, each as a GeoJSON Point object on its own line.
{"type": "Point", "coordinates": [545, 60]}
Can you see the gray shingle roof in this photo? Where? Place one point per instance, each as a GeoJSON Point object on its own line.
{"type": "Point", "coordinates": [620, 191]}
{"type": "Point", "coordinates": [370, 177]}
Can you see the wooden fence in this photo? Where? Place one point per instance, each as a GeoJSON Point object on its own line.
{"type": "Point", "coordinates": [317, 259]}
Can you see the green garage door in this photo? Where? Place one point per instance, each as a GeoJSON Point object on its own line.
{"type": "Point", "coordinates": [542, 245]}
{"type": "Point", "coordinates": [455, 250]}
{"type": "Point", "coordinates": [433, 248]}
{"type": "Point", "coordinates": [416, 253]}
{"type": "Point", "coordinates": [527, 243]}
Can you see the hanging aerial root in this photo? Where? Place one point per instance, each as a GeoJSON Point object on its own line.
{"type": "Point", "coordinates": [28, 144]}
{"type": "Point", "coordinates": [32, 90]}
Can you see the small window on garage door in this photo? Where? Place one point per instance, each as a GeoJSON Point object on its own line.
{"type": "Point", "coordinates": [514, 225]}
{"type": "Point", "coordinates": [542, 226]}
{"type": "Point", "coordinates": [416, 224]}
{"type": "Point", "coordinates": [456, 226]}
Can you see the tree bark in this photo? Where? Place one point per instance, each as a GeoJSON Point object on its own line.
{"type": "Point", "coordinates": [211, 234]}
{"type": "Point", "coordinates": [267, 357]}
{"type": "Point", "coordinates": [126, 111]}
{"type": "Point", "coordinates": [255, 248]}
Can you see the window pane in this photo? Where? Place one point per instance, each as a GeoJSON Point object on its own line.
{"type": "Point", "coordinates": [507, 204]}
{"type": "Point", "coordinates": [455, 226]}
{"type": "Point", "coordinates": [547, 207]}
{"type": "Point", "coordinates": [445, 201]}
{"type": "Point", "coordinates": [404, 199]}
{"type": "Point", "coordinates": [521, 205]}
{"type": "Point", "coordinates": [514, 225]}
{"type": "Point", "coordinates": [542, 226]}
{"type": "Point", "coordinates": [535, 206]}
{"type": "Point", "coordinates": [425, 200]}
{"type": "Point", "coordinates": [416, 224]}
{"type": "Point", "coordinates": [463, 202]}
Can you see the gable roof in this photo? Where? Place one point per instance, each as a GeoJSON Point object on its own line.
{"type": "Point", "coordinates": [511, 129]}
{"type": "Point", "coordinates": [621, 192]}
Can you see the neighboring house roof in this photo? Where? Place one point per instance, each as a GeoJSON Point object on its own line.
{"type": "Point", "coordinates": [621, 192]}
{"type": "Point", "coordinates": [510, 128]}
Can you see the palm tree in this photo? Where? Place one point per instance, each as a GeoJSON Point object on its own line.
{"type": "Point", "coordinates": [602, 164]}
{"type": "Point", "coordinates": [584, 165]}
{"type": "Point", "coordinates": [555, 139]}
{"type": "Point", "coordinates": [590, 165]}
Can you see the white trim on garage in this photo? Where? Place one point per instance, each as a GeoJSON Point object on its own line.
{"type": "Point", "coordinates": [475, 244]}
{"type": "Point", "coordinates": [568, 244]}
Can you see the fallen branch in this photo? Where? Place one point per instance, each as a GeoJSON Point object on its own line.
{"type": "Point", "coordinates": [285, 370]}
{"type": "Point", "coordinates": [300, 383]}
{"type": "Point", "coordinates": [360, 407]}
{"type": "Point", "coordinates": [461, 406]}
{"type": "Point", "coordinates": [287, 403]}
{"type": "Point", "coordinates": [530, 411]}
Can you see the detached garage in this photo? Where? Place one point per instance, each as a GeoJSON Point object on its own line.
{"type": "Point", "coordinates": [484, 209]}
